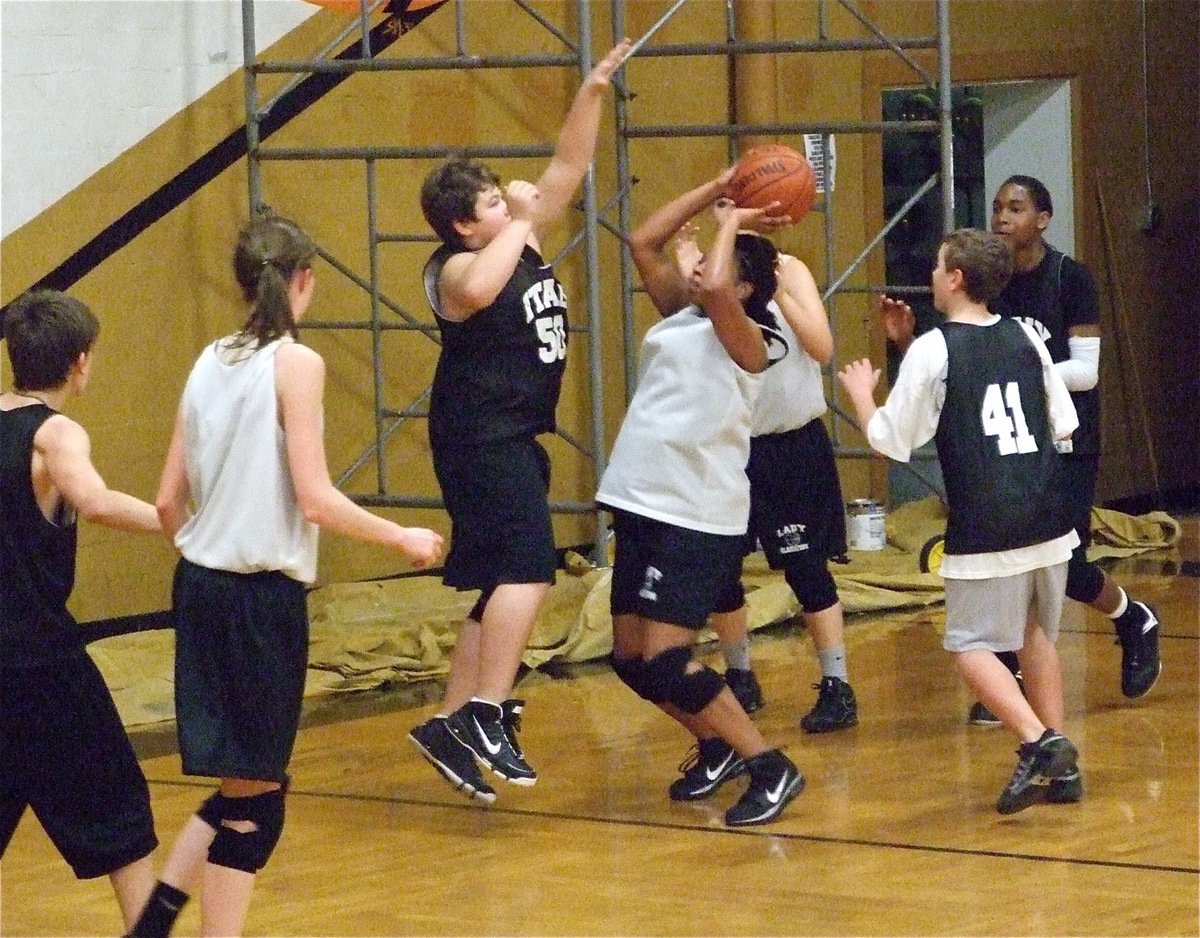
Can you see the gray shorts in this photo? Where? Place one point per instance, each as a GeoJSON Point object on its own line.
{"type": "Point", "coordinates": [992, 613]}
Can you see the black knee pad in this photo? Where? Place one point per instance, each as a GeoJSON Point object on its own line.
{"type": "Point", "coordinates": [1084, 580]}
{"type": "Point", "coordinates": [671, 682]}
{"type": "Point", "coordinates": [632, 671]}
{"type": "Point", "coordinates": [248, 851]}
{"type": "Point", "coordinates": [212, 810]}
{"type": "Point", "coordinates": [731, 598]}
{"type": "Point", "coordinates": [813, 585]}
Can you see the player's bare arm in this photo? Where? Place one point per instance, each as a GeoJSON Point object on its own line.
{"type": "Point", "coordinates": [64, 450]}
{"type": "Point", "coordinates": [576, 141]}
{"type": "Point", "coordinates": [471, 280]}
{"type": "Point", "coordinates": [173, 492]}
{"type": "Point", "coordinates": [300, 385]}
{"type": "Point", "coordinates": [668, 289]}
{"type": "Point", "coordinates": [738, 333]}
{"type": "Point", "coordinates": [800, 302]}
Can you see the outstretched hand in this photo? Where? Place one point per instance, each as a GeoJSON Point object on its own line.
{"type": "Point", "coordinates": [751, 219]}
{"type": "Point", "coordinates": [899, 322]}
{"type": "Point", "coordinates": [860, 379]}
{"type": "Point", "coordinates": [602, 72]}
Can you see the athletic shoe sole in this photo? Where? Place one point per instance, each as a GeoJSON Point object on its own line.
{"type": "Point", "coordinates": [1149, 687]}
{"type": "Point", "coordinates": [771, 811]}
{"type": "Point", "coordinates": [476, 794]}
{"type": "Point", "coordinates": [1066, 789]}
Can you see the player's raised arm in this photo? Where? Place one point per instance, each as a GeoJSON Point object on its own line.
{"type": "Point", "coordinates": [576, 142]}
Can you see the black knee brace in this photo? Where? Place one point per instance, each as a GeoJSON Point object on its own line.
{"type": "Point", "coordinates": [247, 851]}
{"type": "Point", "coordinates": [670, 681]}
{"type": "Point", "coordinates": [1084, 580]}
{"type": "Point", "coordinates": [632, 671]}
{"type": "Point", "coordinates": [211, 811]}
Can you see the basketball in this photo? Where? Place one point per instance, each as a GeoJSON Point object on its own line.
{"type": "Point", "coordinates": [774, 173]}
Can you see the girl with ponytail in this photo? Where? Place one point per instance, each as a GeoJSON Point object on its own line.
{"type": "Point", "coordinates": [248, 456]}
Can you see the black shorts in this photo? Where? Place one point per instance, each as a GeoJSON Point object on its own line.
{"type": "Point", "coordinates": [796, 510]}
{"type": "Point", "coordinates": [667, 573]}
{"type": "Point", "coordinates": [497, 495]}
{"type": "Point", "coordinates": [241, 657]}
{"type": "Point", "coordinates": [64, 753]}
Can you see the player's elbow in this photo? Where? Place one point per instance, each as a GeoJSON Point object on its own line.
{"type": "Point", "coordinates": [93, 509]}
{"type": "Point", "coordinates": [315, 502]}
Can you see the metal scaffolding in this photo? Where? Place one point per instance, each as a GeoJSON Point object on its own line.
{"type": "Point", "coordinates": [732, 45]}
{"type": "Point", "coordinates": [344, 56]}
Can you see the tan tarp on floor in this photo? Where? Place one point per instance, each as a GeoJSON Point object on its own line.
{"type": "Point", "coordinates": [367, 635]}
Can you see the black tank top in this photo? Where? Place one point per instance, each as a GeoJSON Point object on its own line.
{"type": "Point", "coordinates": [500, 371]}
{"type": "Point", "coordinates": [1054, 297]}
{"type": "Point", "coordinates": [37, 557]}
{"type": "Point", "coordinates": [995, 443]}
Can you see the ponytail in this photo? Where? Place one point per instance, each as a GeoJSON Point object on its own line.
{"type": "Point", "coordinates": [756, 262]}
{"type": "Point", "coordinates": [270, 250]}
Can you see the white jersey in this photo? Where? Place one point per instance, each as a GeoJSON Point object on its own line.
{"type": "Point", "coordinates": [793, 391]}
{"type": "Point", "coordinates": [910, 418]}
{"type": "Point", "coordinates": [681, 455]}
{"type": "Point", "coordinates": [246, 517]}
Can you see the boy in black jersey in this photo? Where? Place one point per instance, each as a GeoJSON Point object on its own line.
{"type": "Point", "coordinates": [985, 389]}
{"type": "Point", "coordinates": [1056, 295]}
{"type": "Point", "coordinates": [63, 750]}
{"type": "Point", "coordinates": [502, 315]}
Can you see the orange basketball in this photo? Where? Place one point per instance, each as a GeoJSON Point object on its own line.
{"type": "Point", "coordinates": [774, 173]}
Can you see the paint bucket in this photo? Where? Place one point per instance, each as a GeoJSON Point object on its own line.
{"type": "Point", "coordinates": [865, 525]}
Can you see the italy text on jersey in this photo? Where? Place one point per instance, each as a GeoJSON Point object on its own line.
{"type": "Point", "coordinates": [545, 303]}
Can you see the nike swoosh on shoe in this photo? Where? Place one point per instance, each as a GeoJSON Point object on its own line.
{"type": "Point", "coordinates": [492, 748]}
{"type": "Point", "coordinates": [713, 774]}
{"type": "Point", "coordinates": [777, 793]}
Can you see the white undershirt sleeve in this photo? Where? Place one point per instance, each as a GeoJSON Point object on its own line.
{"type": "Point", "coordinates": [1081, 371]}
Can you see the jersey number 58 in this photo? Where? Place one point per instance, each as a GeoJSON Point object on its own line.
{"type": "Point", "coordinates": [552, 332]}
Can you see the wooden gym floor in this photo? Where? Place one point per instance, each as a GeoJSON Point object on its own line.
{"type": "Point", "coordinates": [896, 833]}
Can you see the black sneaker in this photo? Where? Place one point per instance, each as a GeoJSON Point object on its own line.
{"type": "Point", "coordinates": [451, 758]}
{"type": "Point", "coordinates": [1065, 789]}
{"type": "Point", "coordinates": [1140, 663]}
{"type": "Point", "coordinates": [479, 725]}
{"type": "Point", "coordinates": [511, 711]}
{"type": "Point", "coordinates": [980, 715]}
{"type": "Point", "coordinates": [1052, 756]}
{"type": "Point", "coordinates": [707, 766]}
{"type": "Point", "coordinates": [774, 782]}
{"type": "Point", "coordinates": [836, 708]}
{"type": "Point", "coordinates": [745, 688]}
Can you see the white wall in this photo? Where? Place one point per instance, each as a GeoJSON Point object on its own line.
{"type": "Point", "coordinates": [81, 81]}
{"type": "Point", "coordinates": [1027, 130]}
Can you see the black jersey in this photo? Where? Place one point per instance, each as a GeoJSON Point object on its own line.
{"type": "Point", "coordinates": [500, 371]}
{"type": "Point", "coordinates": [995, 443]}
{"type": "Point", "coordinates": [1055, 297]}
{"type": "Point", "coordinates": [37, 557]}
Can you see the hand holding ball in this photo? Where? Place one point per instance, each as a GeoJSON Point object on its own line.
{"type": "Point", "coordinates": [774, 173]}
